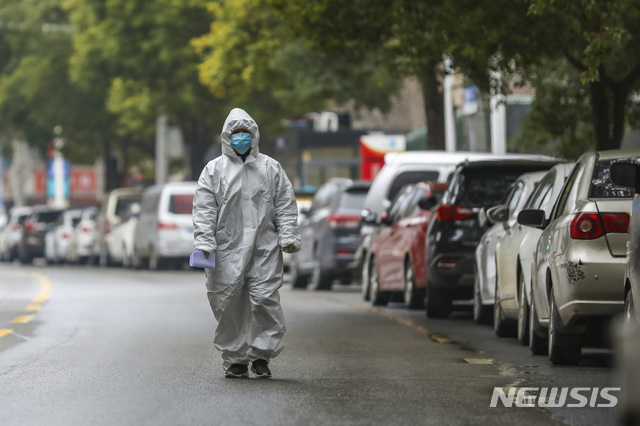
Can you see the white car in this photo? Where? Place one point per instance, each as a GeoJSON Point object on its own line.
{"type": "Point", "coordinates": [81, 246]}
{"type": "Point", "coordinates": [303, 205]}
{"type": "Point", "coordinates": [164, 232]}
{"type": "Point", "coordinates": [122, 237]}
{"type": "Point", "coordinates": [504, 218]}
{"type": "Point", "coordinates": [57, 239]}
{"type": "Point", "coordinates": [11, 235]}
{"type": "Point", "coordinates": [514, 255]}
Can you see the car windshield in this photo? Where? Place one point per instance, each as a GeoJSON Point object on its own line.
{"type": "Point", "coordinates": [601, 185]}
{"type": "Point", "coordinates": [123, 205]}
{"type": "Point", "coordinates": [48, 217]}
{"type": "Point", "coordinates": [485, 188]}
{"type": "Point", "coordinates": [181, 204]}
{"type": "Point", "coordinates": [407, 178]}
{"type": "Point", "coordinates": [352, 200]}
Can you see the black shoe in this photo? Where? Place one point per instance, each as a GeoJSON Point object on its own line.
{"type": "Point", "coordinates": [236, 371]}
{"type": "Point", "coordinates": [260, 368]}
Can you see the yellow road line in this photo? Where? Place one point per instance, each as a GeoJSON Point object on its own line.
{"type": "Point", "coordinates": [5, 332]}
{"type": "Point", "coordinates": [22, 319]}
{"type": "Point", "coordinates": [405, 321]}
{"type": "Point", "coordinates": [34, 308]}
{"type": "Point", "coordinates": [45, 288]}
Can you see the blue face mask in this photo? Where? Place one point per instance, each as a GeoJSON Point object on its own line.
{"type": "Point", "coordinates": [241, 142]}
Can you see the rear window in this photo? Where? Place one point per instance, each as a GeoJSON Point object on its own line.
{"type": "Point", "coordinates": [124, 205]}
{"type": "Point", "coordinates": [485, 188]}
{"type": "Point", "coordinates": [407, 178]}
{"type": "Point", "coordinates": [352, 200]}
{"type": "Point", "coordinates": [601, 185]}
{"type": "Point", "coordinates": [48, 217]}
{"type": "Point", "coordinates": [181, 204]}
{"type": "Point", "coordinates": [22, 219]}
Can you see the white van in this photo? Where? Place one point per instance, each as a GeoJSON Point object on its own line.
{"type": "Point", "coordinates": [164, 231]}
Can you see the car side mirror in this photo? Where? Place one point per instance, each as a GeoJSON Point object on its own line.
{"type": "Point", "coordinates": [427, 203]}
{"type": "Point", "coordinates": [368, 217]}
{"type": "Point", "coordinates": [499, 213]}
{"type": "Point", "coordinates": [625, 173]}
{"type": "Point", "coordinates": [533, 218]}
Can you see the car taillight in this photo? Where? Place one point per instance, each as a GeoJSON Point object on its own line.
{"type": "Point", "coordinates": [85, 230]}
{"type": "Point", "coordinates": [28, 227]}
{"type": "Point", "coordinates": [615, 222]}
{"type": "Point", "coordinates": [447, 213]}
{"type": "Point", "coordinates": [340, 220]}
{"type": "Point", "coordinates": [107, 226]}
{"type": "Point", "coordinates": [65, 236]}
{"type": "Point", "coordinates": [587, 226]}
{"type": "Point", "coordinates": [345, 251]}
{"type": "Point", "coordinates": [167, 226]}
{"type": "Point", "coordinates": [447, 263]}
{"type": "Point", "coordinates": [16, 227]}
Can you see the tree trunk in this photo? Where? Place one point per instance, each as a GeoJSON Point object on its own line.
{"type": "Point", "coordinates": [601, 114]}
{"type": "Point", "coordinates": [434, 109]}
{"type": "Point", "coordinates": [620, 96]}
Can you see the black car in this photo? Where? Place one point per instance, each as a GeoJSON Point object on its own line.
{"type": "Point", "coordinates": [35, 228]}
{"type": "Point", "coordinates": [454, 234]}
{"type": "Point", "coordinates": [330, 235]}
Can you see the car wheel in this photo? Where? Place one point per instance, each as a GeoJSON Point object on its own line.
{"type": "Point", "coordinates": [413, 297]}
{"type": "Point", "coordinates": [366, 282]}
{"type": "Point", "coordinates": [629, 308]}
{"type": "Point", "coordinates": [437, 302]}
{"type": "Point", "coordinates": [297, 280]}
{"type": "Point", "coordinates": [378, 298]}
{"type": "Point", "coordinates": [321, 280]}
{"type": "Point", "coordinates": [126, 258]}
{"type": "Point", "coordinates": [482, 314]}
{"type": "Point", "coordinates": [501, 325]}
{"type": "Point", "coordinates": [155, 261]}
{"type": "Point", "coordinates": [537, 342]}
{"type": "Point", "coordinates": [564, 348]}
{"type": "Point", "coordinates": [523, 315]}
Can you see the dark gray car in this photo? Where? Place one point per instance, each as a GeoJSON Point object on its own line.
{"type": "Point", "coordinates": [330, 235]}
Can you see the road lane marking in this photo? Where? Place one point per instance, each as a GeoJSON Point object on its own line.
{"type": "Point", "coordinates": [5, 332]}
{"type": "Point", "coordinates": [479, 361]}
{"type": "Point", "coordinates": [405, 321]}
{"type": "Point", "coordinates": [34, 308]}
{"type": "Point", "coordinates": [45, 288]}
{"type": "Point", "coordinates": [22, 319]}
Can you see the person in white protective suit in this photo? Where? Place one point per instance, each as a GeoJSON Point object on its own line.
{"type": "Point", "coordinates": [245, 212]}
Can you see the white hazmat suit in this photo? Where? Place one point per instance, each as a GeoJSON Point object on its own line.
{"type": "Point", "coordinates": [245, 213]}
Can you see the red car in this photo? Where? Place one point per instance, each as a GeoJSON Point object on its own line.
{"type": "Point", "coordinates": [398, 263]}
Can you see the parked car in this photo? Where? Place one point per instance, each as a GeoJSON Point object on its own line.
{"type": "Point", "coordinates": [330, 235]}
{"type": "Point", "coordinates": [398, 268]}
{"type": "Point", "coordinates": [514, 254]}
{"type": "Point", "coordinates": [123, 236]}
{"type": "Point", "coordinates": [455, 232]}
{"type": "Point", "coordinates": [399, 170]}
{"type": "Point", "coordinates": [503, 217]}
{"type": "Point", "coordinates": [83, 237]}
{"type": "Point", "coordinates": [578, 266]}
{"type": "Point", "coordinates": [32, 244]}
{"type": "Point", "coordinates": [12, 233]}
{"type": "Point", "coordinates": [58, 237]}
{"type": "Point", "coordinates": [304, 196]}
{"type": "Point", "coordinates": [164, 232]}
{"type": "Point", "coordinates": [627, 173]}
{"type": "Point", "coordinates": [114, 206]}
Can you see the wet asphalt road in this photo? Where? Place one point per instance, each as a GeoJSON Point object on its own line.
{"type": "Point", "coordinates": [118, 347]}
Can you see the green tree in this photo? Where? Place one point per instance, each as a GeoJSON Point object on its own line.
{"type": "Point", "coordinates": [251, 55]}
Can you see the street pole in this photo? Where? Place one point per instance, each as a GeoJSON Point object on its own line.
{"type": "Point", "coordinates": [449, 121]}
{"type": "Point", "coordinates": [498, 117]}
